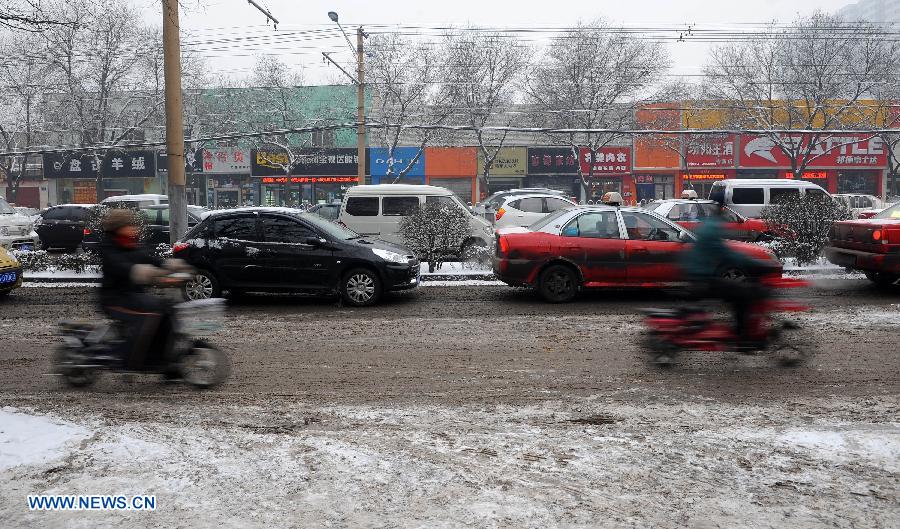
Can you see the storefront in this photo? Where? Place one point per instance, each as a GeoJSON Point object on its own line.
{"type": "Point", "coordinates": [32, 191]}
{"type": "Point", "coordinates": [309, 176]}
{"type": "Point", "coordinates": [657, 159]}
{"type": "Point", "coordinates": [227, 176]}
{"type": "Point", "coordinates": [507, 171]}
{"type": "Point", "coordinates": [195, 181]}
{"type": "Point", "coordinates": [406, 167]}
{"type": "Point", "coordinates": [702, 181]}
{"type": "Point", "coordinates": [554, 168]}
{"type": "Point", "coordinates": [653, 186]}
{"type": "Point", "coordinates": [74, 175]}
{"type": "Point", "coordinates": [709, 158]}
{"type": "Point", "coordinates": [608, 169]}
{"type": "Point", "coordinates": [453, 168]}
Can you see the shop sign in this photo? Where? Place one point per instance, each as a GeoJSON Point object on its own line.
{"type": "Point", "coordinates": [310, 180]}
{"type": "Point", "coordinates": [225, 160]}
{"type": "Point", "coordinates": [709, 150]}
{"type": "Point", "coordinates": [605, 161]}
{"type": "Point", "coordinates": [809, 175]}
{"type": "Point", "coordinates": [708, 176]}
{"type": "Point", "coordinates": [551, 160]}
{"type": "Point", "coordinates": [643, 179]}
{"type": "Point", "coordinates": [192, 161]}
{"type": "Point", "coordinates": [858, 150]}
{"type": "Point", "coordinates": [114, 164]}
{"type": "Point", "coordinates": [380, 161]}
{"type": "Point", "coordinates": [305, 162]}
{"type": "Point", "coordinates": [509, 161]}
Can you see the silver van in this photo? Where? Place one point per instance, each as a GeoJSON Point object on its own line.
{"type": "Point", "coordinates": [376, 211]}
{"type": "Point", "coordinates": [749, 196]}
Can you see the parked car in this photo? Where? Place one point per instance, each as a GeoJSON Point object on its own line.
{"type": "Point", "coordinates": [600, 246]}
{"type": "Point", "coordinates": [330, 211]}
{"type": "Point", "coordinates": [10, 273]}
{"type": "Point", "coordinates": [155, 230]}
{"type": "Point", "coordinates": [869, 245]}
{"type": "Point", "coordinates": [31, 213]}
{"type": "Point", "coordinates": [16, 231]}
{"type": "Point", "coordinates": [526, 209]}
{"type": "Point", "coordinates": [63, 226]}
{"type": "Point", "coordinates": [285, 250]}
{"type": "Point", "coordinates": [690, 213]}
{"type": "Point", "coordinates": [376, 211]}
{"type": "Point", "coordinates": [135, 201]}
{"type": "Point", "coordinates": [749, 197]}
{"type": "Point", "coordinates": [858, 204]}
{"type": "Point", "coordinates": [487, 208]}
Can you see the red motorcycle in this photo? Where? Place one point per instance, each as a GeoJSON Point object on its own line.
{"type": "Point", "coordinates": [674, 331]}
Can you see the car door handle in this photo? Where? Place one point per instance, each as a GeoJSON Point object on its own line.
{"type": "Point", "coordinates": [641, 250]}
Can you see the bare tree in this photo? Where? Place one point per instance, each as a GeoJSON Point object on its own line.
{"type": "Point", "coordinates": [479, 84]}
{"type": "Point", "coordinates": [593, 78]}
{"type": "Point", "coordinates": [110, 72]}
{"type": "Point", "coordinates": [25, 15]}
{"type": "Point", "coordinates": [404, 78]}
{"type": "Point", "coordinates": [813, 75]}
{"type": "Point", "coordinates": [25, 80]}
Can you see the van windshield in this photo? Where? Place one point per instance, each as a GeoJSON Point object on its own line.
{"type": "Point", "coordinates": [5, 208]}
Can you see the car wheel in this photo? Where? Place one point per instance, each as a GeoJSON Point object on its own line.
{"type": "Point", "coordinates": [203, 285]}
{"type": "Point", "coordinates": [733, 274]}
{"type": "Point", "coordinates": [558, 284]}
{"type": "Point", "coordinates": [361, 287]}
{"type": "Point", "coordinates": [882, 279]}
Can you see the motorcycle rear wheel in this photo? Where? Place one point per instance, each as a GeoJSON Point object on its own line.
{"type": "Point", "coordinates": [205, 366]}
{"type": "Point", "coordinates": [792, 346]}
{"type": "Point", "coordinates": [659, 352]}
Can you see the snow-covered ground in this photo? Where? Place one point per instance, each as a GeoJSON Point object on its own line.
{"type": "Point", "coordinates": [598, 462]}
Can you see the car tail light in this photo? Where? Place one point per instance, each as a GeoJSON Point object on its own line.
{"type": "Point", "coordinates": [503, 245]}
{"type": "Point", "coordinates": [500, 213]}
{"type": "Point", "coordinates": [876, 235]}
{"type": "Point", "coordinates": [87, 231]}
{"type": "Point", "coordinates": [180, 247]}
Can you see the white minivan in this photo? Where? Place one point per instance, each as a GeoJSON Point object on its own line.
{"type": "Point", "coordinates": [135, 201]}
{"type": "Point", "coordinates": [376, 211]}
{"type": "Point", "coordinates": [749, 196]}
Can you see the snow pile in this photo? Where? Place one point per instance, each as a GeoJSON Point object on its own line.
{"type": "Point", "coordinates": [28, 440]}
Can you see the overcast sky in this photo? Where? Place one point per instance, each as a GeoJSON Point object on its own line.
{"type": "Point", "coordinates": [203, 20]}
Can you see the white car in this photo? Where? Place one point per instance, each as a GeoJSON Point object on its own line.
{"type": "Point", "coordinates": [525, 210]}
{"type": "Point", "coordinates": [16, 231]}
{"type": "Point", "coordinates": [861, 203]}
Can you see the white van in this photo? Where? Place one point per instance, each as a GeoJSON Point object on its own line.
{"type": "Point", "coordinates": [16, 231]}
{"type": "Point", "coordinates": [749, 196]}
{"type": "Point", "coordinates": [376, 210]}
{"type": "Point", "coordinates": [135, 201]}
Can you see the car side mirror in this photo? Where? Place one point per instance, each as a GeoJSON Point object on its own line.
{"type": "Point", "coordinates": [314, 241]}
{"type": "Point", "coordinates": [683, 236]}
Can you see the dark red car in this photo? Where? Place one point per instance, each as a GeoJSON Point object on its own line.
{"type": "Point", "coordinates": [691, 212]}
{"type": "Point", "coordinates": [870, 245]}
{"type": "Point", "coordinates": [600, 246]}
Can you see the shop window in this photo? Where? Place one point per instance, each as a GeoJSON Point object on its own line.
{"type": "Point", "coordinates": [748, 195]}
{"type": "Point", "coordinates": [362, 206]}
{"type": "Point", "coordinates": [864, 183]}
{"type": "Point", "coordinates": [280, 229]}
{"type": "Point", "coordinates": [399, 206]}
{"type": "Point", "coordinates": [237, 228]}
{"type": "Point", "coordinates": [782, 194]}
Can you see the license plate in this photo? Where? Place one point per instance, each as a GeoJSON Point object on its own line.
{"type": "Point", "coordinates": [842, 259]}
{"type": "Point", "coordinates": [26, 247]}
{"type": "Point", "coordinates": [8, 277]}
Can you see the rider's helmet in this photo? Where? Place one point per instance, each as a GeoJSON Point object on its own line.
{"type": "Point", "coordinates": [117, 219]}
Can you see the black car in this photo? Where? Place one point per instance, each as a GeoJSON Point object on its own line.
{"type": "Point", "coordinates": [63, 226]}
{"type": "Point", "coordinates": [284, 250]}
{"type": "Point", "coordinates": [155, 230]}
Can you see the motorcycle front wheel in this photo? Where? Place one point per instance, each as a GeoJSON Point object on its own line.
{"type": "Point", "coordinates": [67, 362]}
{"type": "Point", "coordinates": [792, 345]}
{"type": "Point", "coordinates": [205, 366]}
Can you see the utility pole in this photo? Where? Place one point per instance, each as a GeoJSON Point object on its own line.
{"type": "Point", "coordinates": [360, 107]}
{"type": "Point", "coordinates": [174, 124]}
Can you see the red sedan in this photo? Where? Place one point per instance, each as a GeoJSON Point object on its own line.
{"type": "Point", "coordinates": [599, 246]}
{"type": "Point", "coordinates": [690, 213]}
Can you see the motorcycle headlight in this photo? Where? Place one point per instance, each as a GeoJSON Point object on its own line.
{"type": "Point", "coordinates": [390, 256]}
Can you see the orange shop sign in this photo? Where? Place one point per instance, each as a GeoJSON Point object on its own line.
{"type": "Point", "coordinates": [708, 176]}
{"type": "Point", "coordinates": [309, 180]}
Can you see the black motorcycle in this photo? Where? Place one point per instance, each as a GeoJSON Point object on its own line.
{"type": "Point", "coordinates": [87, 348]}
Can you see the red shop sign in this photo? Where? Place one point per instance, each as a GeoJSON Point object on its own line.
{"type": "Point", "coordinates": [605, 161]}
{"type": "Point", "coordinates": [849, 150]}
{"type": "Point", "coordinates": [809, 175]}
{"type": "Point", "coordinates": [309, 179]}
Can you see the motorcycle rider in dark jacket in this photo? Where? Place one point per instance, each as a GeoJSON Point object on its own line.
{"type": "Point", "coordinates": [128, 270]}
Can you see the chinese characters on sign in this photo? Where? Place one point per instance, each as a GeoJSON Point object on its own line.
{"type": "Point", "coordinates": [860, 150]}
{"type": "Point", "coordinates": [114, 164]}
{"type": "Point", "coordinates": [709, 150]}
{"type": "Point", "coordinates": [551, 160]}
{"type": "Point", "coordinates": [310, 180]}
{"type": "Point", "coordinates": [333, 162]}
{"type": "Point", "coordinates": [605, 161]}
{"type": "Point", "coordinates": [225, 161]}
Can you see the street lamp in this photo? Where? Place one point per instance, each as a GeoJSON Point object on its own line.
{"type": "Point", "coordinates": [360, 95]}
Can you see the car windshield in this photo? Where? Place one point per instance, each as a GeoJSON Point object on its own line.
{"type": "Point", "coordinates": [548, 219]}
{"type": "Point", "coordinates": [335, 231]}
{"type": "Point", "coordinates": [892, 212]}
{"type": "Point", "coordinates": [5, 208]}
